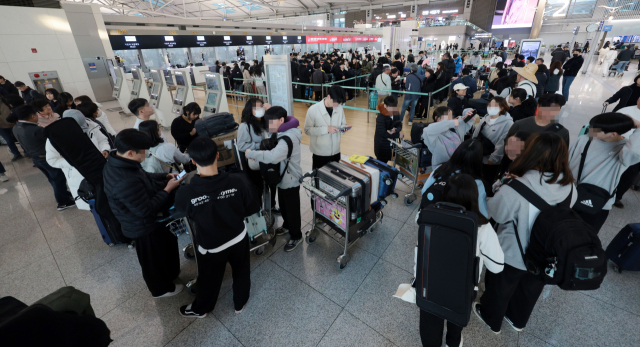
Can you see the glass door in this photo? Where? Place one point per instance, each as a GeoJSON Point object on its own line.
{"type": "Point", "coordinates": [178, 57]}
{"type": "Point", "coordinates": [129, 58]}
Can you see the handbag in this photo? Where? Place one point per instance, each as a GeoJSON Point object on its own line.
{"type": "Point", "coordinates": [487, 146]}
{"type": "Point", "coordinates": [591, 198]}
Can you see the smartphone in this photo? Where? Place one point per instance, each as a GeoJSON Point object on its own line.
{"type": "Point", "coordinates": [181, 175]}
{"type": "Point", "coordinates": [468, 118]}
{"type": "Point", "coordinates": [345, 128]}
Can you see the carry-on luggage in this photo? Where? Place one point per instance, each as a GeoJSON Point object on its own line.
{"type": "Point", "coordinates": [215, 125]}
{"type": "Point", "coordinates": [624, 249]}
{"type": "Point", "coordinates": [297, 88]}
{"type": "Point", "coordinates": [226, 149]}
{"type": "Point", "coordinates": [374, 175]}
{"type": "Point", "coordinates": [338, 177]}
{"type": "Point", "coordinates": [447, 265]}
{"type": "Point", "coordinates": [388, 178]}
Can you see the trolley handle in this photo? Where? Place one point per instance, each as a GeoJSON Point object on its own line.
{"type": "Point", "coordinates": [311, 173]}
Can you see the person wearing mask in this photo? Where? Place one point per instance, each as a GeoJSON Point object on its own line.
{"type": "Point", "coordinates": [318, 77]}
{"type": "Point", "coordinates": [571, 69]}
{"type": "Point", "coordinates": [136, 197]}
{"type": "Point", "coordinates": [101, 118]}
{"type": "Point", "coordinates": [494, 128]}
{"type": "Point", "coordinates": [6, 127]}
{"type": "Point", "coordinates": [495, 59]}
{"type": "Point", "coordinates": [281, 125]}
{"type": "Point", "coordinates": [325, 123]}
{"type": "Point", "coordinates": [428, 86]}
{"type": "Point", "coordinates": [553, 83]}
{"type": "Point", "coordinates": [183, 128]}
{"type": "Point", "coordinates": [383, 83]}
{"type": "Point", "coordinates": [55, 159]}
{"type": "Point", "coordinates": [608, 156]}
{"type": "Point", "coordinates": [46, 115]}
{"type": "Point", "coordinates": [65, 102]}
{"type": "Point", "coordinates": [31, 138]}
{"type": "Point", "coordinates": [445, 134]}
{"type": "Point", "coordinates": [627, 96]}
{"type": "Point", "coordinates": [527, 80]}
{"type": "Point", "coordinates": [222, 234]}
{"type": "Point", "coordinates": [52, 95]}
{"type": "Point", "coordinates": [549, 106]}
{"type": "Point", "coordinates": [465, 79]}
{"type": "Point", "coordinates": [388, 126]}
{"type": "Point", "coordinates": [412, 83]}
{"type": "Point", "coordinates": [9, 87]}
{"type": "Point", "coordinates": [458, 99]}
{"type": "Point", "coordinates": [522, 106]}
{"type": "Point", "coordinates": [27, 93]}
{"type": "Point", "coordinates": [608, 60]}
{"type": "Point", "coordinates": [512, 294]}
{"type": "Point", "coordinates": [623, 59]}
{"type": "Point", "coordinates": [163, 156]}
{"type": "Point", "coordinates": [514, 146]}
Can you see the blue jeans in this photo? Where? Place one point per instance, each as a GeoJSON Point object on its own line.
{"type": "Point", "coordinates": [621, 65]}
{"type": "Point", "coordinates": [566, 84]}
{"type": "Point", "coordinates": [8, 137]}
{"type": "Point", "coordinates": [406, 104]}
{"type": "Point", "coordinates": [56, 179]}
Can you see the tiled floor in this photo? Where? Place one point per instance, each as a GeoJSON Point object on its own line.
{"type": "Point", "coordinates": [298, 298]}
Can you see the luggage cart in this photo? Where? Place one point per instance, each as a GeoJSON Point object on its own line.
{"type": "Point", "coordinates": [347, 231]}
{"type": "Point", "coordinates": [407, 159]}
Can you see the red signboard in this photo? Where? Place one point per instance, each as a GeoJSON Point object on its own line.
{"type": "Point", "coordinates": [339, 39]}
{"type": "Point", "coordinates": [33, 50]}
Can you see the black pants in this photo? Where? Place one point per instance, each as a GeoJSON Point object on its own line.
{"type": "Point", "coordinates": [159, 258]}
{"type": "Point", "coordinates": [626, 180]}
{"type": "Point", "coordinates": [490, 173]}
{"type": "Point", "coordinates": [432, 327]}
{"type": "Point", "coordinates": [318, 161]}
{"type": "Point", "coordinates": [211, 267]}
{"type": "Point", "coordinates": [422, 110]}
{"type": "Point", "coordinates": [513, 293]}
{"type": "Point", "coordinates": [258, 187]}
{"type": "Point", "coordinates": [318, 95]}
{"type": "Point", "coordinates": [289, 200]}
{"type": "Point", "coordinates": [57, 180]}
{"type": "Point", "coordinates": [595, 220]}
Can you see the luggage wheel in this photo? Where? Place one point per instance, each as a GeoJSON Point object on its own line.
{"type": "Point", "coordinates": [112, 244]}
{"type": "Point", "coordinates": [420, 185]}
{"type": "Point", "coordinates": [409, 199]}
{"type": "Point", "coordinates": [394, 195]}
{"type": "Point", "coordinates": [617, 269]}
{"type": "Point", "coordinates": [189, 252]}
{"type": "Point", "coordinates": [259, 251]}
{"type": "Point", "coordinates": [343, 260]}
{"type": "Point", "coordinates": [130, 246]}
{"type": "Point", "coordinates": [388, 182]}
{"type": "Point", "coordinates": [191, 287]}
{"type": "Point", "coordinates": [309, 239]}
{"type": "Point", "coordinates": [400, 176]}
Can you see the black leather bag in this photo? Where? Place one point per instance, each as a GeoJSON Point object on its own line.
{"type": "Point", "coordinates": [215, 125]}
{"type": "Point", "coordinates": [487, 146]}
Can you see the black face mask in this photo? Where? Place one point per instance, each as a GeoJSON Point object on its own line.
{"type": "Point", "coordinates": [576, 55]}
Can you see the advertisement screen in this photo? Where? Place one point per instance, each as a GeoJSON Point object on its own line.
{"type": "Point", "coordinates": [530, 49]}
{"type": "Point", "coordinates": [514, 14]}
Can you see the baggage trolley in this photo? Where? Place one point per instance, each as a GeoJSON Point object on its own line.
{"type": "Point", "coordinates": [346, 231]}
{"type": "Point", "coordinates": [407, 159]}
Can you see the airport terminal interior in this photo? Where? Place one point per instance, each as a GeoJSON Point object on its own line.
{"type": "Point", "coordinates": [319, 293]}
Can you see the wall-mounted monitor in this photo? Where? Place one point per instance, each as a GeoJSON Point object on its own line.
{"type": "Point", "coordinates": [514, 14]}
{"type": "Point", "coordinates": [156, 89]}
{"type": "Point", "coordinates": [135, 75]}
{"type": "Point", "coordinates": [168, 38]}
{"type": "Point", "coordinates": [200, 38]}
{"type": "Point", "coordinates": [130, 38]}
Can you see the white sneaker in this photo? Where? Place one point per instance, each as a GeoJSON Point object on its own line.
{"type": "Point", "coordinates": [3, 177]}
{"type": "Point", "coordinates": [410, 123]}
{"type": "Point", "coordinates": [242, 309]}
{"type": "Point", "coordinates": [179, 288]}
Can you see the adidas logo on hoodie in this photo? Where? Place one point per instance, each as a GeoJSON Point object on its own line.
{"type": "Point", "coordinates": [587, 203]}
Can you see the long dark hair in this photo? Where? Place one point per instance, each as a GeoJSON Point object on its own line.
{"type": "Point", "coordinates": [462, 190]}
{"type": "Point", "coordinates": [467, 158]}
{"type": "Point", "coordinates": [556, 65]}
{"type": "Point", "coordinates": [248, 117]}
{"type": "Point", "coordinates": [545, 152]}
{"type": "Point", "coordinates": [64, 99]}
{"type": "Point", "coordinates": [150, 127]}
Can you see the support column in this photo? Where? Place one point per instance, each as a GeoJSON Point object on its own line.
{"type": "Point", "coordinates": [537, 20]}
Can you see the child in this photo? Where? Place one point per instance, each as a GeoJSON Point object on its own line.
{"type": "Point", "coordinates": [388, 126]}
{"type": "Point", "coordinates": [289, 187]}
{"type": "Point", "coordinates": [462, 189]}
{"type": "Point", "coordinates": [608, 156]}
{"type": "Point", "coordinates": [445, 134]}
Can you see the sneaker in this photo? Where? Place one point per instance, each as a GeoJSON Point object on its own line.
{"type": "Point", "coordinates": [62, 207]}
{"type": "Point", "coordinates": [461, 341]}
{"type": "Point", "coordinates": [179, 288]}
{"type": "Point", "coordinates": [512, 325]}
{"type": "Point", "coordinates": [281, 231]}
{"type": "Point", "coordinates": [477, 310]}
{"type": "Point", "coordinates": [3, 177]}
{"type": "Point", "coordinates": [242, 309]}
{"type": "Point", "coordinates": [291, 245]}
{"type": "Point", "coordinates": [17, 157]}
{"type": "Point", "coordinates": [410, 123]}
{"type": "Point", "coordinates": [186, 312]}
{"type": "Point", "coordinates": [618, 204]}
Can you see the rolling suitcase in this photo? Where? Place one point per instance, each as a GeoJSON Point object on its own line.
{"type": "Point", "coordinates": [388, 177]}
{"type": "Point", "coordinates": [624, 249]}
{"type": "Point", "coordinates": [447, 265]}
{"type": "Point", "coordinates": [374, 176]}
{"type": "Point", "coordinates": [106, 231]}
{"type": "Point", "coordinates": [334, 178]}
{"type": "Point", "coordinates": [297, 89]}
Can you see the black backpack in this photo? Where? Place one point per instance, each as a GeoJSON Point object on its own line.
{"type": "Point", "coordinates": [416, 132]}
{"type": "Point", "coordinates": [434, 193]}
{"type": "Point", "coordinates": [271, 172]}
{"type": "Point", "coordinates": [563, 249]}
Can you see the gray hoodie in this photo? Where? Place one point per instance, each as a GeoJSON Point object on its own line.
{"type": "Point", "coordinates": [441, 141]}
{"type": "Point", "coordinates": [279, 155]}
{"type": "Point", "coordinates": [247, 138]}
{"type": "Point", "coordinates": [497, 133]}
{"type": "Point", "coordinates": [508, 206]}
{"type": "Point", "coordinates": [605, 162]}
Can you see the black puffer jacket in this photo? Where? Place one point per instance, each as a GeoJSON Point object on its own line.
{"type": "Point", "coordinates": [428, 85]}
{"type": "Point", "coordinates": [385, 122]}
{"type": "Point", "coordinates": [450, 68]}
{"type": "Point", "coordinates": [135, 196]}
{"type": "Point", "coordinates": [623, 95]}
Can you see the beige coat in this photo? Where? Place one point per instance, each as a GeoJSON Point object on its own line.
{"type": "Point", "coordinates": [316, 125]}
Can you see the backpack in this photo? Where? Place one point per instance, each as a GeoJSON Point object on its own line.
{"type": "Point", "coordinates": [591, 198]}
{"type": "Point", "coordinates": [416, 132]}
{"type": "Point", "coordinates": [434, 193]}
{"type": "Point", "coordinates": [374, 76]}
{"type": "Point", "coordinates": [563, 249]}
{"type": "Point", "coordinates": [271, 172]}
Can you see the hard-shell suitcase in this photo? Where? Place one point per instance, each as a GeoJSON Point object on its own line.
{"type": "Point", "coordinates": [447, 265]}
{"type": "Point", "coordinates": [374, 175]}
{"type": "Point", "coordinates": [215, 125]}
{"type": "Point", "coordinates": [624, 249]}
{"type": "Point", "coordinates": [297, 88]}
{"type": "Point", "coordinates": [334, 178]}
{"type": "Point", "coordinates": [388, 177]}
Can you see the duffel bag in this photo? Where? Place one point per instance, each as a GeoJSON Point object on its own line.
{"type": "Point", "coordinates": [214, 125]}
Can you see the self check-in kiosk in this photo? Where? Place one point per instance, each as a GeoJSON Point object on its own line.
{"type": "Point", "coordinates": [183, 93]}
{"type": "Point", "coordinates": [216, 96]}
{"type": "Point", "coordinates": [117, 87]}
{"type": "Point", "coordinates": [124, 93]}
{"type": "Point", "coordinates": [159, 100]}
{"type": "Point", "coordinates": [139, 89]}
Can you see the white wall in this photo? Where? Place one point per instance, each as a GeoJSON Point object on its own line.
{"type": "Point", "coordinates": [48, 31]}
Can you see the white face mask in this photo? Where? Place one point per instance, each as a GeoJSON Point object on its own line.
{"type": "Point", "coordinates": [555, 72]}
{"type": "Point", "coordinates": [259, 112]}
{"type": "Point", "coordinates": [492, 111]}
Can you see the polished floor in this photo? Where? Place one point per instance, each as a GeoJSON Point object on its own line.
{"type": "Point", "coordinates": [298, 298]}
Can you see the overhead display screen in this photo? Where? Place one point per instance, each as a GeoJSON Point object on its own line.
{"type": "Point", "coordinates": [514, 14]}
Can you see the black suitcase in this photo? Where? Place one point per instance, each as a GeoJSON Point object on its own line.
{"type": "Point", "coordinates": [447, 265]}
{"type": "Point", "coordinates": [297, 89]}
{"type": "Point", "coordinates": [624, 249]}
{"type": "Point", "coordinates": [214, 125]}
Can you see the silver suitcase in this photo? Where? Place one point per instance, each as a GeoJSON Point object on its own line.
{"type": "Point", "coordinates": [334, 178]}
